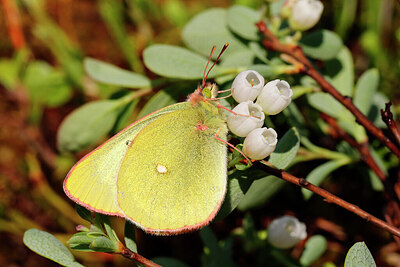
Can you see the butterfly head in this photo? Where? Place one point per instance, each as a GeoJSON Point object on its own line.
{"type": "Point", "coordinates": [206, 90]}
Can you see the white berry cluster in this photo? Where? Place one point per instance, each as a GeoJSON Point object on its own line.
{"type": "Point", "coordinates": [247, 118]}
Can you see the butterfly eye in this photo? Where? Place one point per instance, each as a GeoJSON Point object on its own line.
{"type": "Point", "coordinates": [207, 92]}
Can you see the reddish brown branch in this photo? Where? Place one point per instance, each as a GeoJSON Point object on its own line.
{"type": "Point", "coordinates": [127, 253]}
{"type": "Point", "coordinates": [272, 43]}
{"type": "Point", "coordinates": [329, 197]}
{"type": "Point", "coordinates": [14, 24]}
{"type": "Point", "coordinates": [387, 117]}
{"type": "Point", "coordinates": [362, 148]}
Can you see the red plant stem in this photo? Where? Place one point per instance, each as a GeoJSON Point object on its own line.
{"type": "Point", "coordinates": [271, 42]}
{"type": "Point", "coordinates": [328, 197]}
{"type": "Point", "coordinates": [14, 24]}
{"type": "Point", "coordinates": [387, 117]}
{"type": "Point", "coordinates": [127, 253]}
{"type": "Point", "coordinates": [362, 148]}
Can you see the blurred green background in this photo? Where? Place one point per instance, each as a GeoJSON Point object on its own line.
{"type": "Point", "coordinates": [42, 79]}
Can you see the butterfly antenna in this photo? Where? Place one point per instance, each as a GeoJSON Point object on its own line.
{"type": "Point", "coordinates": [209, 59]}
{"type": "Point", "coordinates": [204, 73]}
{"type": "Point", "coordinates": [220, 53]}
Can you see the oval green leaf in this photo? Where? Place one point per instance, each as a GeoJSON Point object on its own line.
{"type": "Point", "coordinates": [87, 125]}
{"type": "Point", "coordinates": [130, 236]}
{"type": "Point", "coordinates": [242, 58]}
{"type": "Point", "coordinates": [48, 246]}
{"type": "Point", "coordinates": [359, 256]}
{"type": "Point", "coordinates": [242, 21]}
{"type": "Point", "coordinates": [106, 73]}
{"type": "Point", "coordinates": [176, 62]}
{"type": "Point", "coordinates": [314, 248]}
{"type": "Point", "coordinates": [340, 71]}
{"type": "Point", "coordinates": [320, 173]}
{"type": "Point", "coordinates": [321, 44]}
{"type": "Point", "coordinates": [46, 85]}
{"type": "Point", "coordinates": [366, 87]}
{"type": "Point", "coordinates": [210, 28]}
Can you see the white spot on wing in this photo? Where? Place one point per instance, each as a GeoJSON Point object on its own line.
{"type": "Point", "coordinates": [161, 169]}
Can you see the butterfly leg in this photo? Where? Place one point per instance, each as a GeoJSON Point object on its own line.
{"type": "Point", "coordinates": [232, 146]}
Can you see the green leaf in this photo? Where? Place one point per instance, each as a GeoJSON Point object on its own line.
{"type": "Point", "coordinates": [345, 20]}
{"type": "Point", "coordinates": [10, 69]}
{"type": "Point", "coordinates": [110, 74]}
{"type": "Point", "coordinates": [243, 58]}
{"type": "Point", "coordinates": [286, 149]}
{"type": "Point", "coordinates": [359, 256]}
{"type": "Point", "coordinates": [84, 213]}
{"type": "Point", "coordinates": [87, 125]}
{"type": "Point", "coordinates": [169, 262]}
{"type": "Point", "coordinates": [48, 246]}
{"type": "Point", "coordinates": [218, 255]}
{"type": "Point", "coordinates": [261, 190]}
{"type": "Point", "coordinates": [109, 230]}
{"type": "Point", "coordinates": [340, 71]}
{"type": "Point", "coordinates": [264, 70]}
{"type": "Point", "coordinates": [276, 7]}
{"type": "Point", "coordinates": [238, 184]}
{"type": "Point", "coordinates": [378, 103]}
{"type": "Point", "coordinates": [81, 241]}
{"type": "Point", "coordinates": [130, 237]}
{"type": "Point", "coordinates": [210, 28]}
{"type": "Point", "coordinates": [46, 85]}
{"type": "Point", "coordinates": [242, 21]}
{"type": "Point", "coordinates": [314, 248]}
{"type": "Point", "coordinates": [168, 96]}
{"type": "Point", "coordinates": [323, 44]}
{"type": "Point", "coordinates": [112, 13]}
{"type": "Point", "coordinates": [324, 102]}
{"type": "Point", "coordinates": [327, 104]}
{"type": "Point", "coordinates": [176, 62]}
{"type": "Point", "coordinates": [104, 244]}
{"type": "Point", "coordinates": [259, 51]}
{"type": "Point", "coordinates": [320, 173]}
{"type": "Point", "coordinates": [366, 87]}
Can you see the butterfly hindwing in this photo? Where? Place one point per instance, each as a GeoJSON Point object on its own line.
{"type": "Point", "coordinates": [173, 176]}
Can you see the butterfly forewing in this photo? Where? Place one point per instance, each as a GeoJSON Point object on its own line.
{"type": "Point", "coordinates": [92, 181]}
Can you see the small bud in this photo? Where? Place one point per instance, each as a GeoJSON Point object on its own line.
{"type": "Point", "coordinates": [287, 8]}
{"type": "Point", "coordinates": [81, 228]}
{"type": "Point", "coordinates": [260, 143]}
{"type": "Point", "coordinates": [275, 97]}
{"type": "Point", "coordinates": [305, 14]}
{"type": "Point", "coordinates": [242, 125]}
{"type": "Point", "coordinates": [285, 232]}
{"type": "Point", "coordinates": [247, 85]}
